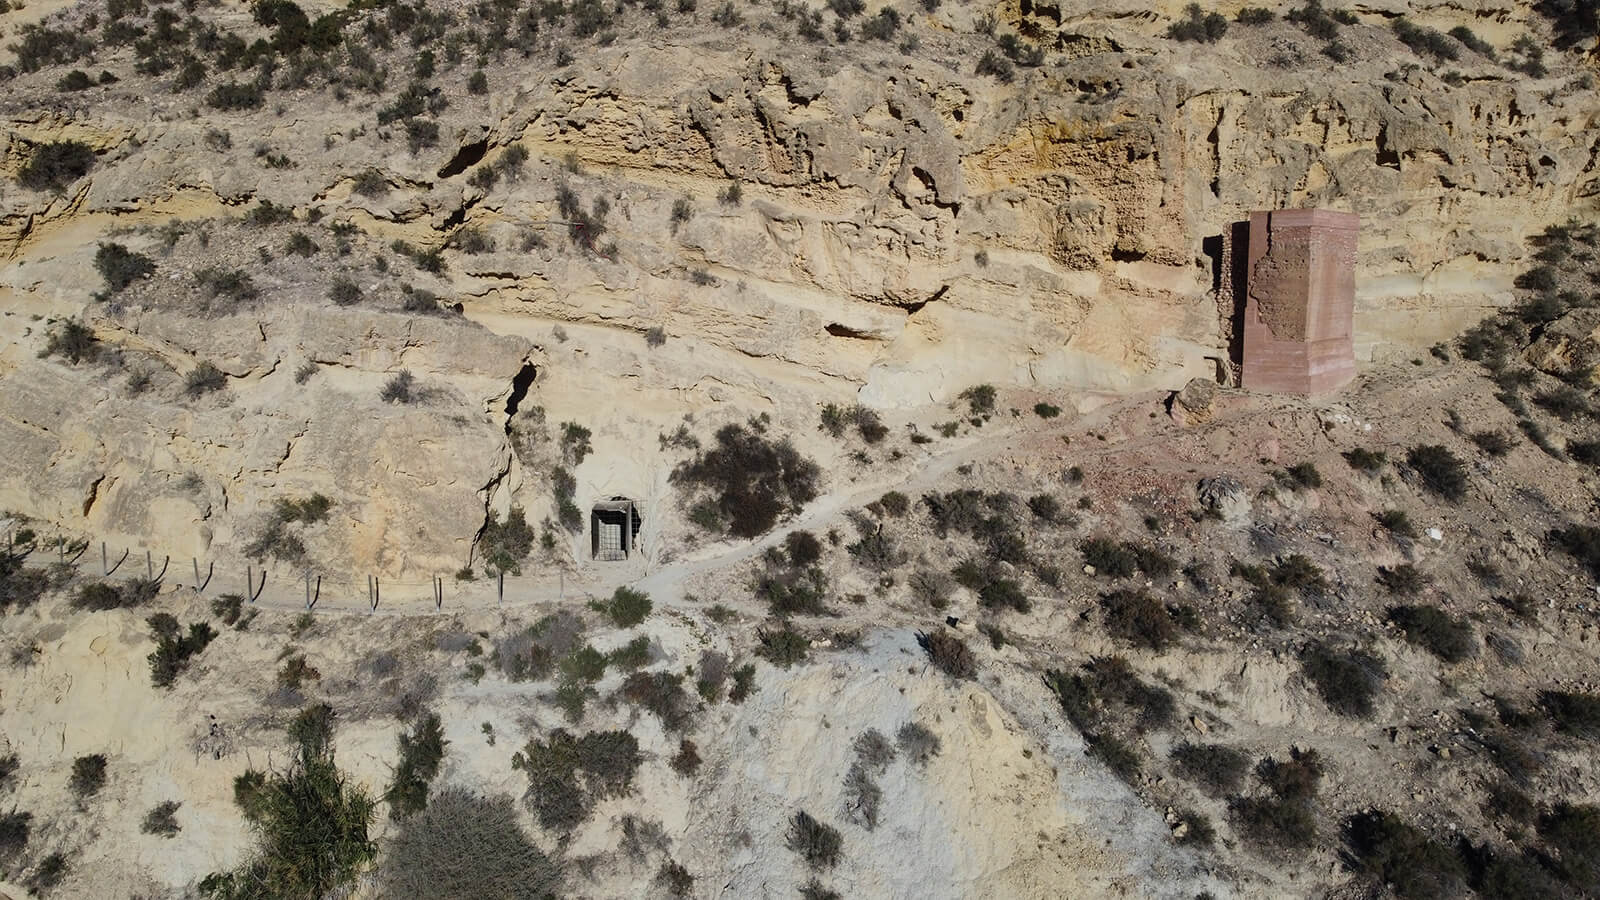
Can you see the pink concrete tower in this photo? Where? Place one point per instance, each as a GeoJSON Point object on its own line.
{"type": "Point", "coordinates": [1300, 301]}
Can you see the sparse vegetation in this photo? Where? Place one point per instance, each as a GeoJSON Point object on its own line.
{"type": "Point", "coordinates": [1136, 617]}
{"type": "Point", "coordinates": [1444, 636]}
{"type": "Point", "coordinates": [468, 847]}
{"type": "Point", "coordinates": [1347, 680]}
{"type": "Point", "coordinates": [400, 388]}
{"type": "Point", "coordinates": [88, 775]}
{"type": "Point", "coordinates": [1441, 471]}
{"type": "Point", "coordinates": [52, 166]}
{"type": "Point", "coordinates": [421, 751]}
{"type": "Point", "coordinates": [627, 607]}
{"type": "Point", "coordinates": [73, 341]}
{"type": "Point", "coordinates": [1198, 25]}
{"type": "Point", "coordinates": [310, 823]}
{"type": "Point", "coordinates": [949, 653]}
{"type": "Point", "coordinates": [819, 844]}
{"type": "Point", "coordinates": [752, 480]}
{"type": "Point", "coordinates": [174, 648]}
{"type": "Point", "coordinates": [1217, 769]}
{"type": "Point", "coordinates": [567, 774]}
{"type": "Point", "coordinates": [121, 267]}
{"type": "Point", "coordinates": [162, 819]}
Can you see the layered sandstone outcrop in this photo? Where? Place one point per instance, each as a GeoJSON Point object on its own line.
{"type": "Point", "coordinates": [904, 229]}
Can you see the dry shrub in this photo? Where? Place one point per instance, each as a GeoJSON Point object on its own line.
{"type": "Point", "coordinates": [818, 843]}
{"type": "Point", "coordinates": [1217, 769]}
{"type": "Point", "coordinates": [467, 847]}
{"type": "Point", "coordinates": [1138, 618]}
{"type": "Point", "coordinates": [949, 653]}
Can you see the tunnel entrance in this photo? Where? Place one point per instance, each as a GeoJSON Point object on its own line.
{"type": "Point", "coordinates": [613, 529]}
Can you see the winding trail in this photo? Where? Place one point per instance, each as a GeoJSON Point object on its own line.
{"type": "Point", "coordinates": [286, 589]}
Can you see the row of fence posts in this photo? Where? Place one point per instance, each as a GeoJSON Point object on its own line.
{"type": "Point", "coordinates": [253, 588]}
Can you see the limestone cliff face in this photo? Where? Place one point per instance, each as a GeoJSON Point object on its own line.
{"type": "Point", "coordinates": [905, 229]}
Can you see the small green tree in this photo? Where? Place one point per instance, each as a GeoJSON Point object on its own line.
{"type": "Point", "coordinates": [310, 823]}
{"type": "Point", "coordinates": [503, 545]}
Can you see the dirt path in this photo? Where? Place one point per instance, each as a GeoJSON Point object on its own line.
{"type": "Point", "coordinates": [286, 589]}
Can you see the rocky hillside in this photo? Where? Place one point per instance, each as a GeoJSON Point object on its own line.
{"type": "Point", "coordinates": [876, 312]}
{"type": "Point", "coordinates": [807, 204]}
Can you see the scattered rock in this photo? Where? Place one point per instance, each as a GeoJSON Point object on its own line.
{"type": "Point", "coordinates": [1194, 403]}
{"type": "Point", "coordinates": [1225, 496]}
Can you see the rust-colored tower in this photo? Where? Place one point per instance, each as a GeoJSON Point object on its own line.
{"type": "Point", "coordinates": [1299, 291]}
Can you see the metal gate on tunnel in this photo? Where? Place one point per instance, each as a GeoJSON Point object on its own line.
{"type": "Point", "coordinates": [613, 529]}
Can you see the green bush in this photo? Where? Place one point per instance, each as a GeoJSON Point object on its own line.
{"type": "Point", "coordinates": [51, 166]}
{"type": "Point", "coordinates": [47, 874]}
{"type": "Point", "coordinates": [421, 751]}
{"type": "Point", "coordinates": [344, 292]}
{"type": "Point", "coordinates": [15, 828]}
{"type": "Point", "coordinates": [1198, 25]}
{"type": "Point", "coordinates": [628, 607]}
{"type": "Point", "coordinates": [818, 843]}
{"type": "Point", "coordinates": [1255, 15]}
{"type": "Point", "coordinates": [1404, 580]}
{"type": "Point", "coordinates": [1121, 559]}
{"type": "Point", "coordinates": [980, 399]}
{"type": "Point", "coordinates": [121, 267]}
{"type": "Point", "coordinates": [100, 595]}
{"type": "Point", "coordinates": [1582, 543]}
{"type": "Point", "coordinates": [1319, 22]}
{"type": "Point", "coordinates": [233, 285]}
{"type": "Point", "coordinates": [467, 847]}
{"type": "Point", "coordinates": [174, 648]}
{"type": "Point", "coordinates": [310, 823]}
{"type": "Point", "coordinates": [1116, 755]}
{"type": "Point", "coordinates": [503, 545]}
{"type": "Point", "coordinates": [1425, 40]}
{"type": "Point", "coordinates": [917, 744]}
{"type": "Point", "coordinates": [232, 96]}
{"type": "Point", "coordinates": [793, 591]}
{"type": "Point", "coordinates": [752, 480]}
{"type": "Point", "coordinates": [1396, 522]}
{"type": "Point", "coordinates": [586, 664]}
{"type": "Point", "coordinates": [783, 647]}
{"type": "Point", "coordinates": [1347, 680]}
{"type": "Point", "coordinates": [1471, 41]}
{"type": "Point", "coordinates": [993, 64]}
{"type": "Point", "coordinates": [814, 889]}
{"type": "Point", "coordinates": [686, 761]}
{"type": "Point", "coordinates": [1046, 410]}
{"type": "Point", "coordinates": [73, 341]}
{"type": "Point", "coordinates": [41, 45]}
{"type": "Point", "coordinates": [1573, 831]}
{"type": "Point", "coordinates": [1305, 475]}
{"type": "Point", "coordinates": [1284, 820]}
